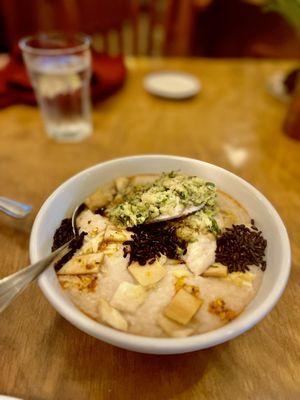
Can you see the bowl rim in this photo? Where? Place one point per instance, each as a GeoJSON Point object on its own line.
{"type": "Point", "coordinates": [164, 345]}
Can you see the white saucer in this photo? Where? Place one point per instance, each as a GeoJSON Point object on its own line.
{"type": "Point", "coordinates": [172, 84]}
{"type": "Point", "coordinates": [276, 87]}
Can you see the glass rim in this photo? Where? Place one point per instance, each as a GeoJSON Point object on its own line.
{"type": "Point", "coordinates": [84, 45]}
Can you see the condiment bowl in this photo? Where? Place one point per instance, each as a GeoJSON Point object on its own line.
{"type": "Point", "coordinates": [62, 201]}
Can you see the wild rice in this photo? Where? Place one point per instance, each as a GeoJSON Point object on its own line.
{"type": "Point", "coordinates": [240, 246]}
{"type": "Point", "coordinates": [62, 235]}
{"type": "Point", "coordinates": [153, 240]}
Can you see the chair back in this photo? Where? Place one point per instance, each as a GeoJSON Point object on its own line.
{"type": "Point", "coordinates": [117, 26]}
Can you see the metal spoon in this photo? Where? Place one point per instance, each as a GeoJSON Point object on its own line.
{"type": "Point", "coordinates": [14, 208]}
{"type": "Point", "coordinates": [186, 211]}
{"type": "Point", "coordinates": [13, 285]}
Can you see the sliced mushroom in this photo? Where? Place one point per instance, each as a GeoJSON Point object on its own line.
{"type": "Point", "coordinates": [82, 264]}
{"type": "Point", "coordinates": [85, 283]}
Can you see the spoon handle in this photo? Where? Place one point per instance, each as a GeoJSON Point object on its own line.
{"type": "Point", "coordinates": [14, 208]}
{"type": "Point", "coordinates": [12, 285]}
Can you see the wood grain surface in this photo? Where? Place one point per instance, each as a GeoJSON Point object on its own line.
{"type": "Point", "coordinates": [233, 123]}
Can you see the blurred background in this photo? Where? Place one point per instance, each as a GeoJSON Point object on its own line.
{"type": "Point", "coordinates": [208, 28]}
{"type": "Point", "coordinates": [244, 116]}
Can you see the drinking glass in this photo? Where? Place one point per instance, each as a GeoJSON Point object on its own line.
{"type": "Point", "coordinates": [59, 66]}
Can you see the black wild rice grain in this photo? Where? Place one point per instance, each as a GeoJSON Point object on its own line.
{"type": "Point", "coordinates": [100, 211]}
{"type": "Point", "coordinates": [73, 246]}
{"type": "Point", "coordinates": [290, 81]}
{"type": "Point", "coordinates": [153, 240]}
{"type": "Point", "coordinates": [240, 247]}
{"type": "Point", "coordinates": [63, 234]}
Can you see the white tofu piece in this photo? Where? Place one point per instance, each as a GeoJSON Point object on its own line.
{"type": "Point", "coordinates": [148, 274]}
{"type": "Point", "coordinates": [183, 307]}
{"type": "Point", "coordinates": [112, 316]}
{"type": "Point", "coordinates": [82, 264]}
{"type": "Point", "coordinates": [128, 297]}
{"type": "Point", "coordinates": [201, 254]}
{"type": "Point", "coordinates": [172, 328]}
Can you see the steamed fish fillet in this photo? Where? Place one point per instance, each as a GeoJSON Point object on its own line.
{"type": "Point", "coordinates": [201, 254]}
{"type": "Point", "coordinates": [91, 223]}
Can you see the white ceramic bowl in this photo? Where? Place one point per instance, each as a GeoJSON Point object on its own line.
{"type": "Point", "coordinates": [76, 189]}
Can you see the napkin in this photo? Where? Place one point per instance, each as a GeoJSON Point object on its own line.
{"type": "Point", "coordinates": [109, 74]}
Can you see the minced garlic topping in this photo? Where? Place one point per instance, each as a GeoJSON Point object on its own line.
{"type": "Point", "coordinates": [168, 195]}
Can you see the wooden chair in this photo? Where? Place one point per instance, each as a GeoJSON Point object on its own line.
{"type": "Point", "coordinates": [227, 28]}
{"type": "Point", "coordinates": [180, 25]}
{"type": "Point", "coordinates": [103, 19]}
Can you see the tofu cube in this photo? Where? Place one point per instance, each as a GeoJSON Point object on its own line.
{"type": "Point", "coordinates": [147, 274]}
{"type": "Point", "coordinates": [183, 307]}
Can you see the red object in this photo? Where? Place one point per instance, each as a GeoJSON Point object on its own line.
{"type": "Point", "coordinates": [108, 76]}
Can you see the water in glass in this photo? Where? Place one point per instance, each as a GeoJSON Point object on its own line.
{"type": "Point", "coordinates": [62, 90]}
{"type": "Point", "coordinates": [60, 70]}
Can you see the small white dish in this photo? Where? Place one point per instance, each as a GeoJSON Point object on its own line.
{"type": "Point", "coordinates": [172, 85]}
{"type": "Point", "coordinates": [276, 87]}
{"type": "Point", "coordinates": [72, 192]}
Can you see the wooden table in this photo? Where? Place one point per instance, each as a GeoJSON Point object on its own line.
{"type": "Point", "coordinates": [233, 123]}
